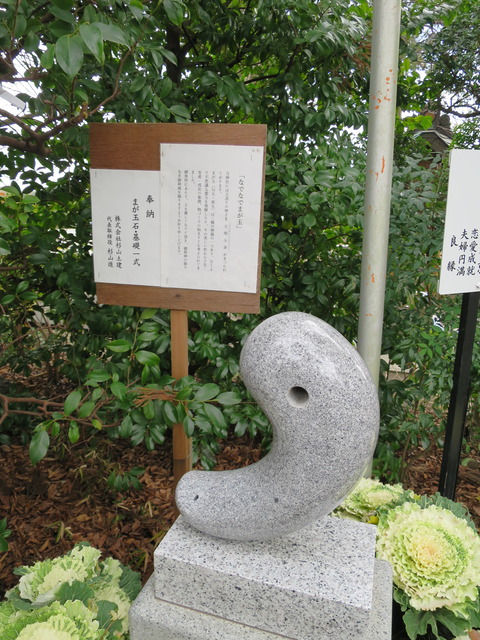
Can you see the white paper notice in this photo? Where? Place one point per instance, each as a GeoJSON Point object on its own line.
{"type": "Point", "coordinates": [460, 270]}
{"type": "Point", "coordinates": [194, 224]}
{"type": "Point", "coordinates": [211, 204]}
{"type": "Point", "coordinates": [126, 226]}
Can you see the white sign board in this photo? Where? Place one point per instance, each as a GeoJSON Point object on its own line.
{"type": "Point", "coordinates": [194, 224]}
{"type": "Point", "coordinates": [460, 270]}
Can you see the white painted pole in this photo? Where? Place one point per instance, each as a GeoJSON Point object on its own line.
{"type": "Point", "coordinates": [381, 127]}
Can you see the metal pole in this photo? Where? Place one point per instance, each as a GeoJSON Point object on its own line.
{"type": "Point", "coordinates": [381, 127]}
{"type": "Point", "coordinates": [457, 410]}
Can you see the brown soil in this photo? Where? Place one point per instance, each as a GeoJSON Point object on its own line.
{"type": "Point", "coordinates": [65, 499]}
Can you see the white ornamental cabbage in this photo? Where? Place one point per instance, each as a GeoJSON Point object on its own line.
{"type": "Point", "coordinates": [41, 581]}
{"type": "Point", "coordinates": [435, 556]}
{"type": "Point", "coordinates": [111, 569]}
{"type": "Point", "coordinates": [364, 500]}
{"type": "Point", "coordinates": [68, 621]}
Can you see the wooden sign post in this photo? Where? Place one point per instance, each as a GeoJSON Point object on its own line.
{"type": "Point", "coordinates": [182, 446]}
{"type": "Point", "coordinates": [177, 224]}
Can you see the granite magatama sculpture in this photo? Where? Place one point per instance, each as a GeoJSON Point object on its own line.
{"type": "Point", "coordinates": [323, 406]}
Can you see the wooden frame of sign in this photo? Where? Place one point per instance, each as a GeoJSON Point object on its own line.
{"type": "Point", "coordinates": [137, 147]}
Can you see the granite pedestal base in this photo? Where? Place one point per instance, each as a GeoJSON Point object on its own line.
{"type": "Point", "coordinates": [320, 583]}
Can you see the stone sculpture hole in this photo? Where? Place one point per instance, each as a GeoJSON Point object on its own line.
{"type": "Point", "coordinates": [298, 396]}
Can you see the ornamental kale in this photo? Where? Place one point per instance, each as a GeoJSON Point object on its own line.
{"type": "Point", "coordinates": [74, 597]}
{"type": "Point", "coordinates": [364, 501]}
{"type": "Point", "coordinates": [434, 550]}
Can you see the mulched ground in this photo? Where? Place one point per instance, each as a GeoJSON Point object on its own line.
{"type": "Point", "coordinates": [65, 499]}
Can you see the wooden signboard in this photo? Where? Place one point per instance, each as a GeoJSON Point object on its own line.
{"type": "Point", "coordinates": [177, 224]}
{"type": "Point", "coordinates": [163, 178]}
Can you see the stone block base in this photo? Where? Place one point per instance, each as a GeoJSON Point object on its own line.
{"type": "Point", "coordinates": [320, 583]}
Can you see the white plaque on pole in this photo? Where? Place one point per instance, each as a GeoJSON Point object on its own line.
{"type": "Point", "coordinates": [460, 270]}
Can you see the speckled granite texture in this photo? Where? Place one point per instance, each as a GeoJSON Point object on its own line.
{"type": "Point", "coordinates": [323, 406]}
{"type": "Point", "coordinates": [319, 584]}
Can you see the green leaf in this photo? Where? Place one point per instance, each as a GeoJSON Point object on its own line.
{"type": "Point", "coordinates": [47, 57]}
{"type": "Point", "coordinates": [130, 582]}
{"type": "Point", "coordinates": [93, 39]}
{"type": "Point", "coordinates": [6, 224]}
{"type": "Point", "coordinates": [119, 390]}
{"type": "Point", "coordinates": [69, 54]}
{"type": "Point", "coordinates": [28, 295]}
{"type": "Point", "coordinates": [207, 392]}
{"type": "Point", "coordinates": [125, 428]}
{"type": "Point", "coordinates": [241, 427]}
{"type": "Point", "coordinates": [215, 416]}
{"type": "Point", "coordinates": [309, 220]}
{"type": "Point", "coordinates": [30, 199]}
{"type": "Point", "coordinates": [77, 590]}
{"type": "Point", "coordinates": [20, 25]}
{"type": "Point", "coordinates": [180, 111]}
{"type": "Point", "coordinates": [137, 9]}
{"type": "Point", "coordinates": [137, 84]}
{"type": "Point", "coordinates": [147, 314]}
{"type": "Point", "coordinates": [147, 357]}
{"type": "Point", "coordinates": [104, 613]}
{"type": "Point", "coordinates": [63, 4]}
{"type": "Point", "coordinates": [97, 394]}
{"type": "Point", "coordinates": [22, 286]}
{"type": "Point", "coordinates": [39, 446]}
{"type": "Point", "coordinates": [86, 409]}
{"type": "Point", "coordinates": [149, 410]}
{"type": "Point", "coordinates": [166, 88]}
{"type": "Point", "coordinates": [73, 432]}
{"type": "Point", "coordinates": [98, 375]}
{"type": "Point", "coordinates": [417, 622]}
{"type": "Point", "coordinates": [157, 433]}
{"type": "Point", "coordinates": [72, 401]}
{"type": "Point", "coordinates": [4, 248]}
{"type": "Point", "coordinates": [189, 426]}
{"type": "Point", "coordinates": [183, 393]}
{"type": "Point", "coordinates": [97, 424]}
{"type": "Point", "coordinates": [111, 33]}
{"type": "Point", "coordinates": [31, 42]}
{"type": "Point", "coordinates": [55, 429]}
{"type": "Point", "coordinates": [62, 14]}
{"type": "Point", "coordinates": [229, 398]}
{"type": "Point", "coordinates": [170, 56]}
{"type": "Point", "coordinates": [458, 626]}
{"type": "Point", "coordinates": [119, 346]}
{"type": "Point", "coordinates": [38, 258]}
{"type": "Point", "coordinates": [175, 11]}
{"type": "Point", "coordinates": [11, 189]}
{"type": "Point", "coordinates": [170, 412]}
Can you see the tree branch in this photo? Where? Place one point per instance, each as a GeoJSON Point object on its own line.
{"type": "Point", "coordinates": [24, 145]}
{"type": "Point", "coordinates": [18, 121]}
{"type": "Point", "coordinates": [473, 113]}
